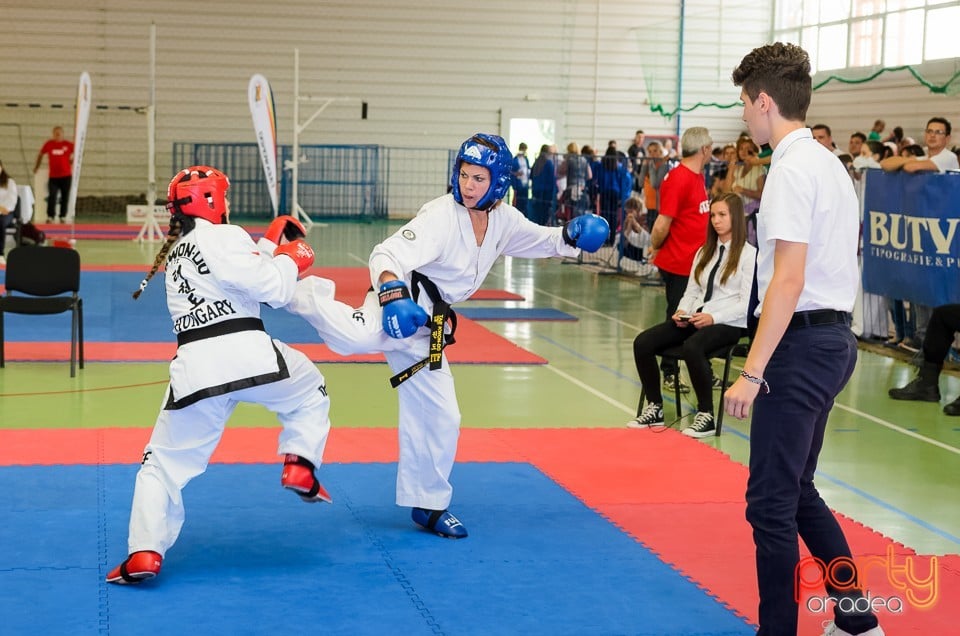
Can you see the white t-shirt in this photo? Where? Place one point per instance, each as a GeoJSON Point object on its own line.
{"type": "Point", "coordinates": [8, 195]}
{"type": "Point", "coordinates": [808, 198]}
{"type": "Point", "coordinates": [946, 159]}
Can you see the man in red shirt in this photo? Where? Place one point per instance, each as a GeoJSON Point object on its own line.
{"type": "Point", "coordinates": [681, 225]}
{"type": "Point", "coordinates": [60, 158]}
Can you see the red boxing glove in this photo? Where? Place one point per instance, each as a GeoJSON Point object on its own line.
{"type": "Point", "coordinates": [300, 251]}
{"type": "Point", "coordinates": [284, 226]}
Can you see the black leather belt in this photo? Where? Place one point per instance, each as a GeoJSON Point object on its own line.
{"type": "Point", "coordinates": [219, 329]}
{"type": "Point", "coordinates": [817, 317]}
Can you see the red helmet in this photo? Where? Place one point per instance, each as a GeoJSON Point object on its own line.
{"type": "Point", "coordinates": [199, 191]}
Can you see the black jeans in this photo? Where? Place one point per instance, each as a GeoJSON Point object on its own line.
{"type": "Point", "coordinates": [59, 185]}
{"type": "Point", "coordinates": [697, 343]}
{"type": "Point", "coordinates": [806, 372]}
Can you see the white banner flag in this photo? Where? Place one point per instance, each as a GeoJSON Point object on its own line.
{"type": "Point", "coordinates": [265, 127]}
{"type": "Point", "coordinates": [80, 136]}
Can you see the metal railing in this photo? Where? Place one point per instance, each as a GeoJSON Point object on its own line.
{"type": "Point", "coordinates": [361, 182]}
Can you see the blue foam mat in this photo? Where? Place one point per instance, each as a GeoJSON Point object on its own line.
{"type": "Point", "coordinates": [112, 315]}
{"type": "Point", "coordinates": [253, 558]}
{"type": "Point", "coordinates": [514, 313]}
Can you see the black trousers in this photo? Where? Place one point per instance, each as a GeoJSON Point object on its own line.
{"type": "Point", "coordinates": [674, 285]}
{"type": "Point", "coordinates": [57, 185]}
{"type": "Point", "coordinates": [944, 322]}
{"type": "Point", "coordinates": [697, 344]}
{"type": "Point", "coordinates": [808, 369]}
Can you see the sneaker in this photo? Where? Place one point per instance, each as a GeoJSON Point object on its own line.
{"type": "Point", "coordinates": [953, 408]}
{"type": "Point", "coordinates": [652, 415]}
{"type": "Point", "coordinates": [918, 390]}
{"type": "Point", "coordinates": [138, 567]}
{"type": "Point", "coordinates": [830, 629]}
{"type": "Point", "coordinates": [49, 220]}
{"type": "Point", "coordinates": [298, 476]}
{"type": "Point", "coordinates": [909, 344]}
{"type": "Point", "coordinates": [702, 426]}
{"type": "Point", "coordinates": [441, 522]}
{"type": "Point", "coordinates": [717, 383]}
{"type": "Point", "coordinates": [669, 380]}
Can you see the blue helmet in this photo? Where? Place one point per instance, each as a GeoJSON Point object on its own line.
{"type": "Point", "coordinates": [487, 151]}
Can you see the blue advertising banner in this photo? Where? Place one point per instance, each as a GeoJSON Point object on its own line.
{"type": "Point", "coordinates": [911, 243]}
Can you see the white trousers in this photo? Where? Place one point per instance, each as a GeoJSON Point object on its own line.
{"type": "Point", "coordinates": [183, 441]}
{"type": "Point", "coordinates": [429, 424]}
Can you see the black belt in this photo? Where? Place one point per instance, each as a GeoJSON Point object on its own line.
{"type": "Point", "coordinates": [219, 329]}
{"type": "Point", "coordinates": [442, 312]}
{"type": "Point", "coordinates": [817, 317]}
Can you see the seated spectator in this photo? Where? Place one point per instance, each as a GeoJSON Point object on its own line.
{"type": "Point", "coordinates": [912, 150]}
{"type": "Point", "coordinates": [823, 134]}
{"type": "Point", "coordinates": [875, 132]}
{"type": "Point", "coordinates": [943, 325]}
{"type": "Point", "coordinates": [870, 156]}
{"type": "Point", "coordinates": [724, 174]}
{"type": "Point", "coordinates": [8, 205]}
{"type": "Point", "coordinates": [856, 144]}
{"type": "Point", "coordinates": [634, 238]}
{"type": "Point", "coordinates": [747, 181]}
{"type": "Point", "coordinates": [938, 157]}
{"type": "Point", "coordinates": [711, 314]}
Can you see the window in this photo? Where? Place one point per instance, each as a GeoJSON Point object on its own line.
{"type": "Point", "coordinates": [851, 33]}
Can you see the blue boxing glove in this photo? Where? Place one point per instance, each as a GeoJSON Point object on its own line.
{"type": "Point", "coordinates": [401, 316]}
{"type": "Point", "coordinates": [588, 232]}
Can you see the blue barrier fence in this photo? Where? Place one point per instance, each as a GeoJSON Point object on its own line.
{"type": "Point", "coordinates": [360, 182]}
{"type": "Point", "coordinates": [911, 242]}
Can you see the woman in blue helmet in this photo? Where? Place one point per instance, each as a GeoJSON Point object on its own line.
{"type": "Point", "coordinates": [439, 258]}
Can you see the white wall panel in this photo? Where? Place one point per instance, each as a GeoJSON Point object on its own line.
{"type": "Point", "coordinates": [432, 71]}
{"type": "Point", "coordinates": [895, 97]}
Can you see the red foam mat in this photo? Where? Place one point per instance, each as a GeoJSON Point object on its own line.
{"type": "Point", "coordinates": [352, 282]}
{"type": "Point", "coordinates": [651, 485]}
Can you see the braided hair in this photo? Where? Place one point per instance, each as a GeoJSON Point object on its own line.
{"type": "Point", "coordinates": [180, 225]}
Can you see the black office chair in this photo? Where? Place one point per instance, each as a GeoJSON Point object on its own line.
{"type": "Point", "coordinates": [44, 274]}
{"type": "Point", "coordinates": [727, 353]}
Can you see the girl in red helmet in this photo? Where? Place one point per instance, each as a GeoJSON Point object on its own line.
{"type": "Point", "coordinates": [216, 278]}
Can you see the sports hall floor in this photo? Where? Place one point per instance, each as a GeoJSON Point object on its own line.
{"type": "Point", "coordinates": [578, 525]}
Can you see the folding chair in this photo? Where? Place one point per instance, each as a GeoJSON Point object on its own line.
{"type": "Point", "coordinates": [740, 349]}
{"type": "Point", "coordinates": [40, 275]}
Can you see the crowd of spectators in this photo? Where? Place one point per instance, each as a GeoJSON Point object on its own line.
{"type": "Point", "coordinates": [624, 188]}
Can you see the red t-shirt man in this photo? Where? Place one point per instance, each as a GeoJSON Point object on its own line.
{"type": "Point", "coordinates": [59, 153]}
{"type": "Point", "coordinates": [60, 156]}
{"type": "Point", "coordinates": [683, 198]}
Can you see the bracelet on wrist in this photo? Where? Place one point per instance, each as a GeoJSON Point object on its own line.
{"type": "Point", "coordinates": [755, 380]}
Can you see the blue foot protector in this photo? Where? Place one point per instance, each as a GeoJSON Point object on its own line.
{"type": "Point", "coordinates": [439, 521]}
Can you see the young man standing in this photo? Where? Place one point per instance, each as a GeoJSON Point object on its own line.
{"type": "Point", "coordinates": [804, 351]}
